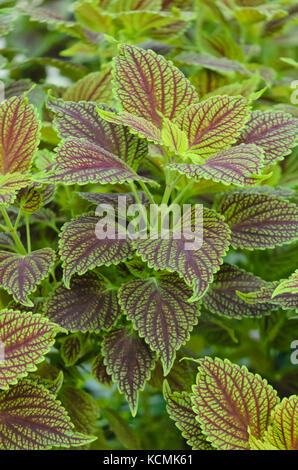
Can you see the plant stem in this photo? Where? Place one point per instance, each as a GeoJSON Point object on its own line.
{"type": "Point", "coordinates": [28, 233]}
{"type": "Point", "coordinates": [17, 220]}
{"type": "Point", "coordinates": [147, 191]}
{"type": "Point", "coordinates": [182, 193]}
{"type": "Point", "coordinates": [12, 231]}
{"type": "Point", "coordinates": [142, 208]}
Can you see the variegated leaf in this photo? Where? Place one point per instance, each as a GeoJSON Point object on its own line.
{"type": "Point", "coordinates": [222, 298]}
{"type": "Point", "coordinates": [213, 125]}
{"type": "Point", "coordinates": [179, 407]}
{"type": "Point", "coordinates": [259, 220]}
{"type": "Point", "coordinates": [10, 184]}
{"type": "Point", "coordinates": [129, 361]}
{"type": "Point", "coordinates": [20, 135]}
{"type": "Point", "coordinates": [96, 86]}
{"type": "Point", "coordinates": [81, 120]}
{"type": "Point", "coordinates": [231, 166]}
{"type": "Point", "coordinates": [227, 400]}
{"type": "Point", "coordinates": [161, 313]}
{"type": "Point", "coordinates": [275, 132]}
{"type": "Point", "coordinates": [20, 274]}
{"type": "Point", "coordinates": [88, 305]}
{"type": "Point", "coordinates": [24, 427]}
{"type": "Point", "coordinates": [25, 339]}
{"type": "Point", "coordinates": [81, 250]}
{"type": "Point", "coordinates": [80, 161]}
{"type": "Point", "coordinates": [196, 266]}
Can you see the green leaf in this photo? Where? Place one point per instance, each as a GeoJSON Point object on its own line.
{"type": "Point", "coordinates": [88, 305]}
{"type": "Point", "coordinates": [96, 86]}
{"type": "Point", "coordinates": [24, 427]}
{"type": "Point", "coordinates": [81, 407]}
{"type": "Point", "coordinates": [10, 184]}
{"type": "Point", "coordinates": [71, 349]}
{"type": "Point", "coordinates": [161, 313]}
{"type": "Point", "coordinates": [196, 266]}
{"type": "Point", "coordinates": [258, 220]}
{"type": "Point", "coordinates": [214, 124]}
{"type": "Point", "coordinates": [129, 361]}
{"type": "Point", "coordinates": [222, 298]}
{"type": "Point", "coordinates": [227, 399]}
{"type": "Point", "coordinates": [81, 250]}
{"type": "Point", "coordinates": [20, 274]}
{"type": "Point", "coordinates": [124, 433]}
{"type": "Point", "coordinates": [26, 338]}
{"type": "Point", "coordinates": [179, 407]}
{"type": "Point", "coordinates": [283, 432]}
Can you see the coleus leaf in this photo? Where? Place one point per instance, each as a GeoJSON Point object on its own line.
{"type": "Point", "coordinates": [26, 338]}
{"type": "Point", "coordinates": [20, 134]}
{"type": "Point", "coordinates": [20, 274]}
{"type": "Point", "coordinates": [88, 305]}
{"type": "Point", "coordinates": [81, 407]}
{"type": "Point", "coordinates": [10, 184]}
{"type": "Point", "coordinates": [283, 293]}
{"type": "Point", "coordinates": [81, 250]}
{"type": "Point", "coordinates": [129, 360]}
{"type": "Point", "coordinates": [96, 86]}
{"type": "Point", "coordinates": [147, 85]}
{"type": "Point", "coordinates": [258, 220]}
{"type": "Point", "coordinates": [113, 198]}
{"type": "Point", "coordinates": [214, 124]}
{"type": "Point", "coordinates": [218, 64]}
{"type": "Point", "coordinates": [231, 166]}
{"type": "Point", "coordinates": [80, 161]}
{"type": "Point", "coordinates": [222, 298]}
{"type": "Point", "coordinates": [195, 266]}
{"type": "Point", "coordinates": [179, 407]}
{"type": "Point", "coordinates": [283, 432]}
{"type": "Point", "coordinates": [99, 371]}
{"type": "Point", "coordinates": [275, 132]}
{"type": "Point", "coordinates": [71, 349]}
{"type": "Point", "coordinates": [81, 120]}
{"type": "Point", "coordinates": [161, 313]}
{"type": "Point", "coordinates": [149, 88]}
{"type": "Point", "coordinates": [24, 427]}
{"type": "Point", "coordinates": [227, 399]}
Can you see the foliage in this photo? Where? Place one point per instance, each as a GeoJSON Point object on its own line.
{"type": "Point", "coordinates": [155, 103]}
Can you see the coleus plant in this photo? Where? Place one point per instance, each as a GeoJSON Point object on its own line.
{"type": "Point", "coordinates": [131, 304]}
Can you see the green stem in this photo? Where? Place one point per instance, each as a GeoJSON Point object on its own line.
{"type": "Point", "coordinates": [17, 220]}
{"type": "Point", "coordinates": [147, 191]}
{"type": "Point", "coordinates": [28, 233]}
{"type": "Point", "coordinates": [12, 231]}
{"type": "Point", "coordinates": [170, 185]}
{"type": "Point", "coordinates": [135, 193]}
{"type": "Point", "coordinates": [182, 193]}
